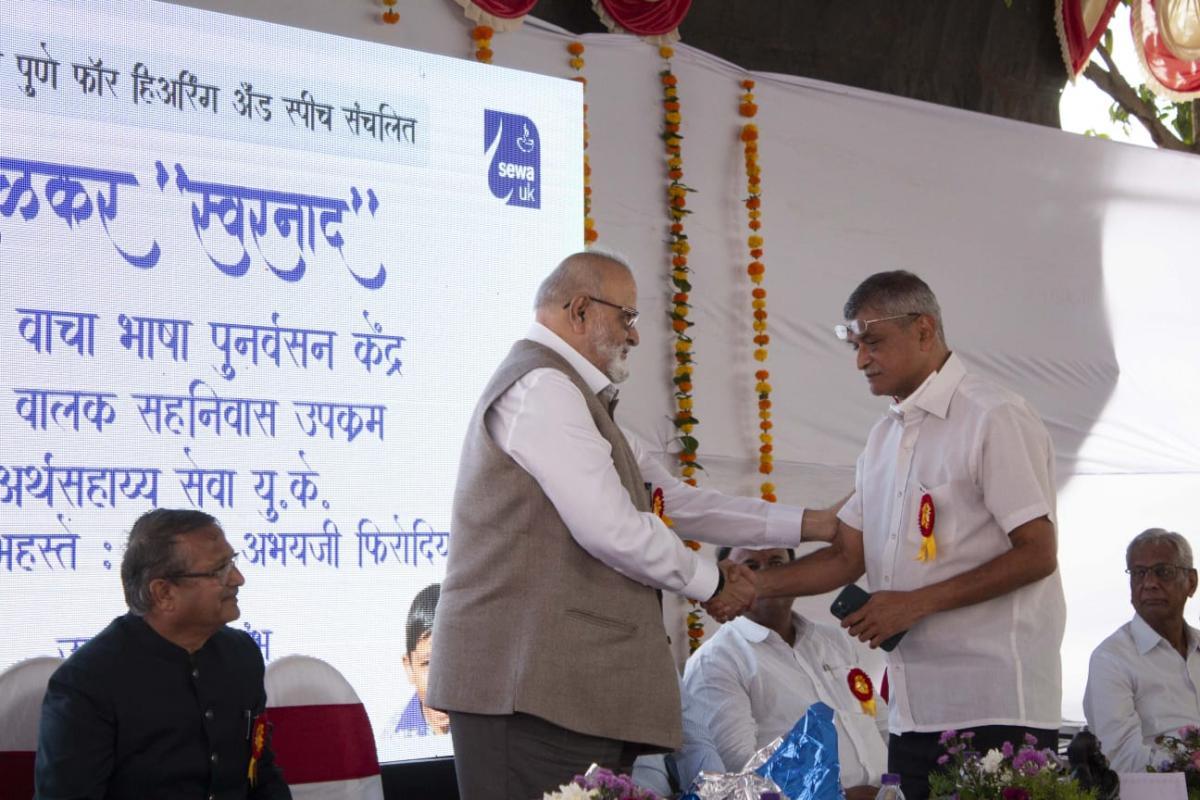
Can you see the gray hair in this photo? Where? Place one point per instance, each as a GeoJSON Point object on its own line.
{"type": "Point", "coordinates": [578, 273]}
{"type": "Point", "coordinates": [895, 293]}
{"type": "Point", "coordinates": [1183, 550]}
{"type": "Point", "coordinates": [151, 553]}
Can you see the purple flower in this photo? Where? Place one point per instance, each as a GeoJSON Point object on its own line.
{"type": "Point", "coordinates": [1014, 793]}
{"type": "Point", "coordinates": [943, 759]}
{"type": "Point", "coordinates": [1031, 740]}
{"type": "Point", "coordinates": [1029, 762]}
{"type": "Point", "coordinates": [1007, 749]}
{"type": "Point", "coordinates": [946, 737]}
{"type": "Point", "coordinates": [968, 735]}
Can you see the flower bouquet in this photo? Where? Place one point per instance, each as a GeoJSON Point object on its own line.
{"type": "Point", "coordinates": [1023, 773]}
{"type": "Point", "coordinates": [601, 784]}
{"type": "Point", "coordinates": [1180, 754]}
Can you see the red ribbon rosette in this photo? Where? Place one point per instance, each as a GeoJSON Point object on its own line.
{"type": "Point", "coordinates": [925, 518]}
{"type": "Point", "coordinates": [862, 689]}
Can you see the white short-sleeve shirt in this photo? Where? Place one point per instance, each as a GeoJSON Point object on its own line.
{"type": "Point", "coordinates": [985, 459]}
{"type": "Point", "coordinates": [1139, 687]}
{"type": "Point", "coordinates": [746, 686]}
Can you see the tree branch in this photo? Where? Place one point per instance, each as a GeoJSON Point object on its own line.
{"type": "Point", "coordinates": [1116, 87]}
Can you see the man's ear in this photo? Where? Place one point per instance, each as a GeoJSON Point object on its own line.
{"type": "Point", "coordinates": [162, 594]}
{"type": "Point", "coordinates": [575, 313]}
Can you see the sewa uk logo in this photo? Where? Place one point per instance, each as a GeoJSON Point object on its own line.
{"type": "Point", "coordinates": [514, 174]}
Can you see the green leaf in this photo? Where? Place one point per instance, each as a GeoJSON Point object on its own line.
{"type": "Point", "coordinates": [690, 443]}
{"type": "Point", "coordinates": [1108, 40]}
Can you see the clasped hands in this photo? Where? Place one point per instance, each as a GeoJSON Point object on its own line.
{"type": "Point", "coordinates": [738, 594]}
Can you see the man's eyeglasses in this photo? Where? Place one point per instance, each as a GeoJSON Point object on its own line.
{"type": "Point", "coordinates": [221, 573]}
{"type": "Point", "coordinates": [629, 316]}
{"type": "Point", "coordinates": [1163, 572]}
{"type": "Point", "coordinates": [859, 327]}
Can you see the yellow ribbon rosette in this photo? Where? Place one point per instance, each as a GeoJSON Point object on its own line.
{"type": "Point", "coordinates": [925, 518]}
{"type": "Point", "coordinates": [862, 689]}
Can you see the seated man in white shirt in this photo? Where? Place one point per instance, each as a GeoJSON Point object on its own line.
{"type": "Point", "coordinates": [1144, 679]}
{"type": "Point", "coordinates": [758, 675]}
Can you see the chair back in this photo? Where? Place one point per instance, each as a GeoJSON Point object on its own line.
{"type": "Point", "coordinates": [321, 735]}
{"type": "Point", "coordinates": [22, 687]}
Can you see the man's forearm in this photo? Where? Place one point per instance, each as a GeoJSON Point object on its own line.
{"type": "Point", "coordinates": [1032, 558]}
{"type": "Point", "coordinates": [823, 571]}
{"type": "Point", "coordinates": [821, 524]}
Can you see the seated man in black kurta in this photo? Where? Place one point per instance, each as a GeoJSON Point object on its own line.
{"type": "Point", "coordinates": [166, 701]}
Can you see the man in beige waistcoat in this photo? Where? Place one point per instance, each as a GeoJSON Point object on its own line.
{"type": "Point", "coordinates": [549, 651]}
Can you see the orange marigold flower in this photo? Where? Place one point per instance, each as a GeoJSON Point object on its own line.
{"type": "Point", "coordinates": [766, 448]}
{"type": "Point", "coordinates": [687, 458]}
{"type": "Point", "coordinates": [587, 168]}
{"type": "Point", "coordinates": [756, 253]}
{"type": "Point", "coordinates": [676, 228]}
{"type": "Point", "coordinates": [747, 109]}
{"type": "Point", "coordinates": [679, 325]}
{"type": "Point", "coordinates": [759, 294]}
{"type": "Point", "coordinates": [580, 79]}
{"type": "Point", "coordinates": [769, 497]}
{"type": "Point", "coordinates": [482, 32]}
{"type": "Point", "coordinates": [753, 202]}
{"type": "Point", "coordinates": [671, 127]}
{"type": "Point", "coordinates": [587, 191]}
{"type": "Point", "coordinates": [685, 387]}
{"type": "Point", "coordinates": [665, 52]}
{"type": "Point", "coordinates": [575, 48]}
{"type": "Point", "coordinates": [762, 375]}
{"type": "Point", "coordinates": [747, 84]}
{"type": "Point", "coordinates": [755, 268]}
{"type": "Point", "coordinates": [590, 235]}
{"type": "Point", "coordinates": [764, 405]}
{"type": "Point", "coordinates": [671, 105]}
{"type": "Point", "coordinates": [762, 340]}
{"type": "Point", "coordinates": [679, 261]}
{"type": "Point", "coordinates": [669, 80]}
{"type": "Point", "coordinates": [749, 135]}
{"type": "Point", "coordinates": [391, 17]}
{"type": "Point", "coordinates": [680, 297]}
{"type": "Point", "coordinates": [675, 174]}
{"type": "Point", "coordinates": [754, 225]}
{"type": "Point", "coordinates": [679, 202]}
{"type": "Point", "coordinates": [765, 469]}
{"type": "Point", "coordinates": [484, 54]}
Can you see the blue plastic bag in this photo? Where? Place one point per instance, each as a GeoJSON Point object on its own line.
{"type": "Point", "coordinates": [806, 764]}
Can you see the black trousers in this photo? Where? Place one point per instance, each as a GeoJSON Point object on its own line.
{"type": "Point", "coordinates": [914, 755]}
{"type": "Point", "coordinates": [520, 757]}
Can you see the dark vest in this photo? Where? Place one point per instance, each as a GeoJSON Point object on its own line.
{"type": "Point", "coordinates": [528, 621]}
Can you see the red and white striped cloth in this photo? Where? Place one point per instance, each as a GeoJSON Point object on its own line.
{"type": "Point", "coordinates": [22, 687]}
{"type": "Point", "coordinates": [321, 736]}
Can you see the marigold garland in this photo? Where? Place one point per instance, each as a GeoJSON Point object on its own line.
{"type": "Point", "coordinates": [756, 270]}
{"type": "Point", "coordinates": [481, 35]}
{"type": "Point", "coordinates": [576, 63]}
{"type": "Point", "coordinates": [390, 15]}
{"type": "Point", "coordinates": [685, 418]}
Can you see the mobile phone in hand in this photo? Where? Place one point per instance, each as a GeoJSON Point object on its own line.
{"type": "Point", "coordinates": [851, 599]}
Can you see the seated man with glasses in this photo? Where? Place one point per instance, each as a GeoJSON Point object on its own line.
{"type": "Point", "coordinates": [166, 701]}
{"type": "Point", "coordinates": [1144, 679]}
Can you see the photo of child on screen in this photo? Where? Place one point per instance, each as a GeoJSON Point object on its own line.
{"type": "Point", "coordinates": [418, 719]}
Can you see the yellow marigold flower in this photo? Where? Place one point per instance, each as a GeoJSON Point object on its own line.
{"type": "Point", "coordinates": [686, 427]}
{"type": "Point", "coordinates": [760, 354]}
{"type": "Point", "coordinates": [666, 52]}
{"type": "Point", "coordinates": [673, 117]}
{"type": "Point", "coordinates": [681, 310]}
{"type": "Point", "coordinates": [679, 275]}
{"type": "Point", "coordinates": [685, 404]}
{"type": "Point", "coordinates": [768, 488]}
{"type": "Point", "coordinates": [683, 347]}
{"type": "Point", "coordinates": [759, 326]}
{"type": "Point", "coordinates": [755, 241]}
{"type": "Point", "coordinates": [688, 471]}
{"type": "Point", "coordinates": [759, 304]}
{"type": "Point", "coordinates": [762, 387]}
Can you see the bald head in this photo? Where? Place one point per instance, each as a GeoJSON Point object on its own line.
{"type": "Point", "coordinates": [578, 274]}
{"type": "Point", "coordinates": [590, 302]}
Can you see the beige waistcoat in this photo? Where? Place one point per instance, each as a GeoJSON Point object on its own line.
{"type": "Point", "coordinates": [528, 621]}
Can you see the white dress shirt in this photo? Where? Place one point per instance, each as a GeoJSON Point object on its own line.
{"type": "Point", "coordinates": [985, 458]}
{"type": "Point", "coordinates": [543, 423]}
{"type": "Point", "coordinates": [1139, 687]}
{"type": "Point", "coordinates": [746, 686]}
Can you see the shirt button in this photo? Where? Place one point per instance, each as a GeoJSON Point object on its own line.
{"type": "Point", "coordinates": [213, 758]}
{"type": "Point", "coordinates": [196, 672]}
{"type": "Point", "coordinates": [208, 714]}
{"type": "Point", "coordinates": [212, 797]}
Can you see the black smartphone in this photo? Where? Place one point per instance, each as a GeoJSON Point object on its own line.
{"type": "Point", "coordinates": [851, 599]}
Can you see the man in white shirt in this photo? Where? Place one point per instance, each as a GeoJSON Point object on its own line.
{"type": "Point", "coordinates": [1144, 679]}
{"type": "Point", "coordinates": [952, 519]}
{"type": "Point", "coordinates": [548, 649]}
{"type": "Point", "coordinates": [758, 675]}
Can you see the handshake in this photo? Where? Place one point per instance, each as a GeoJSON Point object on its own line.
{"type": "Point", "coordinates": [740, 590]}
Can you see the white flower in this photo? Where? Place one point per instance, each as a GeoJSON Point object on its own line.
{"type": "Point", "coordinates": [992, 761]}
{"type": "Point", "coordinates": [569, 791]}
